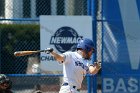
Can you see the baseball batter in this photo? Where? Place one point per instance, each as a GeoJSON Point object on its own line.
{"type": "Point", "coordinates": [76, 65]}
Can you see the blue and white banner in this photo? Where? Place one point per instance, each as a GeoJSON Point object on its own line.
{"type": "Point", "coordinates": [121, 46]}
{"type": "Point", "coordinates": [62, 33]}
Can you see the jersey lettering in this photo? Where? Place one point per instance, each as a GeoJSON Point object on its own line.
{"type": "Point", "coordinates": [78, 63]}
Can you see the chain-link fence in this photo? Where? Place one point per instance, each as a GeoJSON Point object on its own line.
{"type": "Point", "coordinates": [19, 30]}
{"type": "Point", "coordinates": [47, 83]}
{"type": "Point", "coordinates": [35, 8]}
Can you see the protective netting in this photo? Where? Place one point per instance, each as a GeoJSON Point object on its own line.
{"type": "Point", "coordinates": [43, 83]}
{"type": "Point", "coordinates": [20, 27]}
{"type": "Point", "coordinates": [20, 30]}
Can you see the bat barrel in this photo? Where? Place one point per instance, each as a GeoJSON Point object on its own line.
{"type": "Point", "coordinates": [24, 53]}
{"type": "Point", "coordinates": [17, 53]}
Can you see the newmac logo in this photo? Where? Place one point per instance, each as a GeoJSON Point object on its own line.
{"type": "Point", "coordinates": [65, 39]}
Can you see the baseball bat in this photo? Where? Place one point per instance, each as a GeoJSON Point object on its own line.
{"type": "Point", "coordinates": [24, 53]}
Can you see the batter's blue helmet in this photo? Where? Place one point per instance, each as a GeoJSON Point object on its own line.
{"type": "Point", "coordinates": [86, 44]}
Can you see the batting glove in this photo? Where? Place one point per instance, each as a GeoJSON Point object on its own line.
{"type": "Point", "coordinates": [48, 50]}
{"type": "Point", "coordinates": [98, 65]}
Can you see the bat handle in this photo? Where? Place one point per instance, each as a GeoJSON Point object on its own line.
{"type": "Point", "coordinates": [41, 50]}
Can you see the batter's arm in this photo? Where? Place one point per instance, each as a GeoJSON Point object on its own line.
{"type": "Point", "coordinates": [58, 57]}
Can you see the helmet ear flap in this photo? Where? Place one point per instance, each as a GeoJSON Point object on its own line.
{"type": "Point", "coordinates": [87, 48]}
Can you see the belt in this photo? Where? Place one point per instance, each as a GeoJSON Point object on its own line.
{"type": "Point", "coordinates": [65, 84]}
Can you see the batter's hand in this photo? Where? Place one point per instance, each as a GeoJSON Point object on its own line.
{"type": "Point", "coordinates": [48, 50]}
{"type": "Point", "coordinates": [98, 64]}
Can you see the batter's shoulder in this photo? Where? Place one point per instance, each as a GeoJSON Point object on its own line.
{"type": "Point", "coordinates": [69, 53]}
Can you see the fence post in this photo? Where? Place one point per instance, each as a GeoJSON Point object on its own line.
{"type": "Point", "coordinates": [89, 77]}
{"type": "Point", "coordinates": [94, 23]}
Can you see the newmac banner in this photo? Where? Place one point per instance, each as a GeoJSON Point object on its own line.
{"type": "Point", "coordinates": [121, 46]}
{"type": "Point", "coordinates": [62, 33]}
